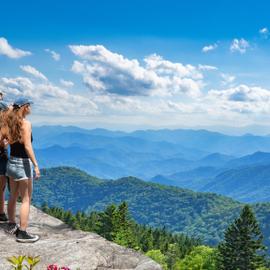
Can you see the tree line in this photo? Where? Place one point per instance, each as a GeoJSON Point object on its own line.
{"type": "Point", "coordinates": [241, 249]}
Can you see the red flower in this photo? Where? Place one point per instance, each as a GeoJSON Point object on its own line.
{"type": "Point", "coordinates": [52, 267]}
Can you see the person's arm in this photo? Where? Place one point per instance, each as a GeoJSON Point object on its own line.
{"type": "Point", "coordinates": [26, 139]}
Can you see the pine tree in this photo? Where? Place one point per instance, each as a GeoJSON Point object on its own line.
{"type": "Point", "coordinates": [242, 248]}
{"type": "Point", "coordinates": [45, 208]}
{"type": "Point", "coordinates": [93, 222]}
{"type": "Point", "coordinates": [107, 217]}
{"type": "Point", "coordinates": [146, 239]}
{"type": "Point", "coordinates": [123, 227]}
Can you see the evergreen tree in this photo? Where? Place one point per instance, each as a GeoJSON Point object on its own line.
{"type": "Point", "coordinates": [242, 248]}
{"type": "Point", "coordinates": [107, 218]}
{"type": "Point", "coordinates": [68, 217]}
{"type": "Point", "coordinates": [93, 222]}
{"type": "Point", "coordinates": [145, 238]}
{"type": "Point", "coordinates": [123, 227]}
{"type": "Point", "coordinates": [172, 255]}
{"type": "Point", "coordinates": [45, 208]}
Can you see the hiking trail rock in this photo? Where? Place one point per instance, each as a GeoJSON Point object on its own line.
{"type": "Point", "coordinates": [61, 245]}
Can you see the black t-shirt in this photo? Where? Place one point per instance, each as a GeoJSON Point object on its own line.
{"type": "Point", "coordinates": [17, 149]}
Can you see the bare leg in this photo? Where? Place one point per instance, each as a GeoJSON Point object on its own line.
{"type": "Point", "coordinates": [25, 188]}
{"type": "Point", "coordinates": [2, 193]}
{"type": "Point", "coordinates": [14, 192]}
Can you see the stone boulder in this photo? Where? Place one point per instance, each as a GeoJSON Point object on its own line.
{"type": "Point", "coordinates": [61, 245]}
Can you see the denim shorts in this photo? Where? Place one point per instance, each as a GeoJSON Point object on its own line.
{"type": "Point", "coordinates": [3, 166]}
{"type": "Point", "coordinates": [19, 168]}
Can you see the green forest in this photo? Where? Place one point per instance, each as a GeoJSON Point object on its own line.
{"type": "Point", "coordinates": [197, 214]}
{"type": "Point", "coordinates": [242, 247]}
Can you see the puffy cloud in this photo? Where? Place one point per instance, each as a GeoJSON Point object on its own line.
{"type": "Point", "coordinates": [242, 98]}
{"type": "Point", "coordinates": [209, 48]}
{"type": "Point", "coordinates": [164, 67]}
{"type": "Point", "coordinates": [56, 56]}
{"type": "Point", "coordinates": [48, 98]}
{"type": "Point", "coordinates": [7, 50]}
{"type": "Point", "coordinates": [152, 89]}
{"type": "Point", "coordinates": [67, 84]}
{"type": "Point", "coordinates": [264, 32]}
{"type": "Point", "coordinates": [106, 72]}
{"type": "Point", "coordinates": [239, 45]}
{"type": "Point", "coordinates": [34, 72]}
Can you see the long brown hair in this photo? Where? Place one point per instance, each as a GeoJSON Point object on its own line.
{"type": "Point", "coordinates": [14, 123]}
{"type": "Point", "coordinates": [2, 120]}
{"type": "Point", "coordinates": [3, 126]}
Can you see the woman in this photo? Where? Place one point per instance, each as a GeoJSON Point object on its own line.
{"type": "Point", "coordinates": [3, 158]}
{"type": "Point", "coordinates": [20, 168]}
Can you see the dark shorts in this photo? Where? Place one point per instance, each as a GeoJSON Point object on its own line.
{"type": "Point", "coordinates": [3, 166]}
{"type": "Point", "coordinates": [19, 168]}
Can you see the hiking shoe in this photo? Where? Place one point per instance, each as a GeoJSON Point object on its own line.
{"type": "Point", "coordinates": [12, 228]}
{"type": "Point", "coordinates": [3, 218]}
{"type": "Point", "coordinates": [25, 237]}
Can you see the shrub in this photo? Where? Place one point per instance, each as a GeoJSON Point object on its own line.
{"type": "Point", "coordinates": [23, 262]}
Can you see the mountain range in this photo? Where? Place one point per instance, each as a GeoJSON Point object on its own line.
{"type": "Point", "coordinates": [201, 214]}
{"type": "Point", "coordinates": [195, 159]}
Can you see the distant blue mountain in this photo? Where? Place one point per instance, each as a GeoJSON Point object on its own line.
{"type": "Point", "coordinates": [124, 143]}
{"type": "Point", "coordinates": [194, 159]}
{"type": "Point", "coordinates": [194, 179]}
{"type": "Point", "coordinates": [200, 140]}
{"type": "Point", "coordinates": [196, 174]}
{"type": "Point", "coordinates": [215, 160]}
{"type": "Point", "coordinates": [100, 162]}
{"type": "Point", "coordinates": [112, 162]}
{"type": "Point", "coordinates": [51, 131]}
{"type": "Point", "coordinates": [209, 141]}
{"type": "Point", "coordinates": [258, 158]}
{"type": "Point", "coordinates": [246, 179]}
{"type": "Point", "coordinates": [246, 184]}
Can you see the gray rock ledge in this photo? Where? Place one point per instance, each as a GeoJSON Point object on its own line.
{"type": "Point", "coordinates": [63, 246]}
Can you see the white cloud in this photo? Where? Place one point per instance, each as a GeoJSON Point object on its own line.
{"type": "Point", "coordinates": [207, 67]}
{"type": "Point", "coordinates": [52, 100]}
{"type": "Point", "coordinates": [239, 45]}
{"type": "Point", "coordinates": [7, 50]}
{"type": "Point", "coordinates": [34, 72]}
{"type": "Point", "coordinates": [48, 98]}
{"type": "Point", "coordinates": [67, 84]}
{"type": "Point", "coordinates": [227, 78]}
{"type": "Point", "coordinates": [106, 72]}
{"type": "Point", "coordinates": [56, 56]}
{"type": "Point", "coordinates": [151, 90]}
{"type": "Point", "coordinates": [160, 66]}
{"type": "Point", "coordinates": [241, 99]}
{"type": "Point", "coordinates": [209, 48]}
{"type": "Point", "coordinates": [264, 32]}
{"type": "Point", "coordinates": [134, 105]}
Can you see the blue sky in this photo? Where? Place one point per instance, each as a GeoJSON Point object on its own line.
{"type": "Point", "coordinates": [139, 64]}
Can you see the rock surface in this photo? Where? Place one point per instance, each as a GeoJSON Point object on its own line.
{"type": "Point", "coordinates": [63, 246]}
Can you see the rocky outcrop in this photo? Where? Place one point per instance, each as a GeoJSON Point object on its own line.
{"type": "Point", "coordinates": [61, 245]}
